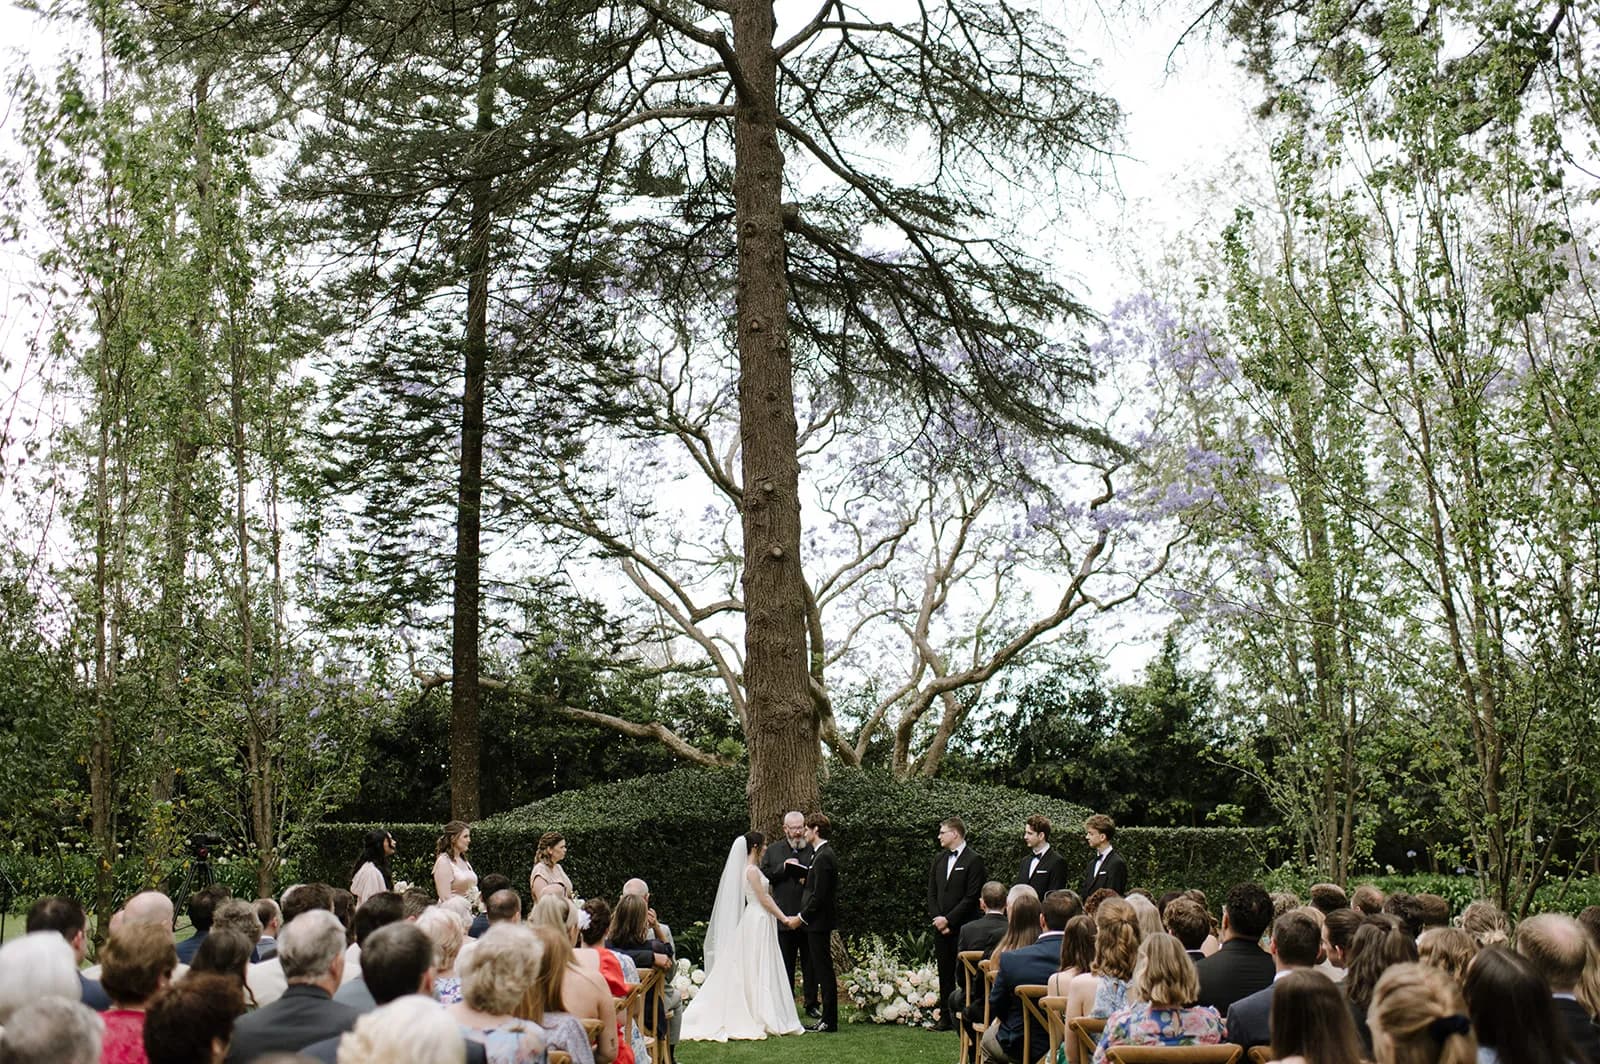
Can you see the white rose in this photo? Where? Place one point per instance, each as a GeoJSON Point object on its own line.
{"type": "Point", "coordinates": [698, 977]}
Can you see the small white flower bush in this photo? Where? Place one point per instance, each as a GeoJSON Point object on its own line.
{"type": "Point", "coordinates": [888, 991]}
{"type": "Point", "coordinates": [686, 979]}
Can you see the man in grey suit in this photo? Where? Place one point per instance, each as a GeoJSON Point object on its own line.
{"type": "Point", "coordinates": [312, 951]}
{"type": "Point", "coordinates": [1296, 941]}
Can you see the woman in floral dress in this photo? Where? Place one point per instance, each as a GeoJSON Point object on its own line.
{"type": "Point", "coordinates": [1161, 1009]}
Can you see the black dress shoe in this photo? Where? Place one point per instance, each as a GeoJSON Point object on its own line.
{"type": "Point", "coordinates": [822, 1028]}
{"type": "Point", "coordinates": [814, 1011]}
{"type": "Point", "coordinates": [943, 1025]}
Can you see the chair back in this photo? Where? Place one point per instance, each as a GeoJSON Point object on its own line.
{"type": "Point", "coordinates": [1032, 995]}
{"type": "Point", "coordinates": [1259, 1054]}
{"type": "Point", "coordinates": [1054, 1008]}
{"type": "Point", "coordinates": [1226, 1053]}
{"type": "Point", "coordinates": [1086, 1031]}
{"type": "Point", "coordinates": [560, 1056]}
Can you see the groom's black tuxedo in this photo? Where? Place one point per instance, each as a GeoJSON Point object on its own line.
{"type": "Point", "coordinates": [788, 885]}
{"type": "Point", "coordinates": [817, 911]}
{"type": "Point", "coordinates": [1050, 873]}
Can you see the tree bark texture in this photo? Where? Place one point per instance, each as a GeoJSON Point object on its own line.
{"type": "Point", "coordinates": [782, 726]}
{"type": "Point", "coordinates": [464, 742]}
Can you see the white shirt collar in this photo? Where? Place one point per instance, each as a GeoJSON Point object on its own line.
{"type": "Point", "coordinates": [1103, 850]}
{"type": "Point", "coordinates": [955, 854]}
{"type": "Point", "coordinates": [1043, 847]}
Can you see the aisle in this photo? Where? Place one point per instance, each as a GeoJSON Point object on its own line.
{"type": "Point", "coordinates": [854, 1044]}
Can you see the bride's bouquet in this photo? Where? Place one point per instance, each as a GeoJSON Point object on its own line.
{"type": "Point", "coordinates": [889, 991]}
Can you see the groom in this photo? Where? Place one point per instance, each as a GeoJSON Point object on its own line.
{"type": "Point", "coordinates": [817, 917]}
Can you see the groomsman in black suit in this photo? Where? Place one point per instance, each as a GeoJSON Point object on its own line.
{"type": "Point", "coordinates": [785, 864]}
{"type": "Point", "coordinates": [954, 881]}
{"type": "Point", "coordinates": [1106, 867]}
{"type": "Point", "coordinates": [818, 916]}
{"type": "Point", "coordinates": [1043, 869]}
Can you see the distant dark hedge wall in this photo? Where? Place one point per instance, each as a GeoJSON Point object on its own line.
{"type": "Point", "coordinates": [673, 830]}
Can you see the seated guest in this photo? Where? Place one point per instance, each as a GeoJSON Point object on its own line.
{"type": "Point", "coordinates": [989, 928]}
{"type": "Point", "coordinates": [39, 964]}
{"type": "Point", "coordinates": [1161, 1009]}
{"type": "Point", "coordinates": [1434, 910]}
{"type": "Point", "coordinates": [1328, 897]}
{"type": "Point", "coordinates": [238, 916]}
{"type": "Point", "coordinates": [1023, 921]}
{"type": "Point", "coordinates": [1149, 916]}
{"type": "Point", "coordinates": [1558, 948]}
{"type": "Point", "coordinates": [137, 961]}
{"type": "Point", "coordinates": [563, 988]}
{"type": "Point", "coordinates": [379, 910]}
{"type": "Point", "coordinates": [53, 1030]}
{"type": "Point", "coordinates": [66, 918]}
{"type": "Point", "coordinates": [1418, 1017]}
{"type": "Point", "coordinates": [1487, 923]}
{"type": "Point", "coordinates": [1283, 901]}
{"type": "Point", "coordinates": [1449, 949]}
{"type": "Point", "coordinates": [1338, 931]}
{"type": "Point", "coordinates": [609, 964]}
{"type": "Point", "coordinates": [311, 951]}
{"type": "Point", "coordinates": [443, 929]}
{"type": "Point", "coordinates": [1187, 922]}
{"type": "Point", "coordinates": [191, 1021]}
{"type": "Point", "coordinates": [224, 953]}
{"type": "Point", "coordinates": [1031, 964]}
{"type": "Point", "coordinates": [266, 979]}
{"type": "Point", "coordinates": [1241, 966]}
{"type": "Point", "coordinates": [494, 980]}
{"type": "Point", "coordinates": [1512, 1012]}
{"type": "Point", "coordinates": [1408, 908]}
{"type": "Point", "coordinates": [1296, 941]}
{"type": "Point", "coordinates": [409, 1030]}
{"type": "Point", "coordinates": [271, 918]}
{"type": "Point", "coordinates": [1380, 943]}
{"type": "Point", "coordinates": [1310, 1023]}
{"type": "Point", "coordinates": [202, 906]}
{"type": "Point", "coordinates": [488, 887]}
{"type": "Point", "coordinates": [1091, 903]}
{"type": "Point", "coordinates": [1367, 899]}
{"type": "Point", "coordinates": [416, 901]}
{"type": "Point", "coordinates": [1104, 988]}
{"type": "Point", "coordinates": [1077, 954]}
{"type": "Point", "coordinates": [630, 937]}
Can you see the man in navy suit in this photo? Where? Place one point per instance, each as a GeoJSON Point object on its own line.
{"type": "Point", "coordinates": [1043, 868]}
{"type": "Point", "coordinates": [1296, 941]}
{"type": "Point", "coordinates": [1106, 868]}
{"type": "Point", "coordinates": [1027, 966]}
{"type": "Point", "coordinates": [955, 879]}
{"type": "Point", "coordinates": [66, 918]}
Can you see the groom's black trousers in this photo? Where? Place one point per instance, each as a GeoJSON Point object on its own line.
{"type": "Point", "coordinates": [792, 945]}
{"type": "Point", "coordinates": [819, 946]}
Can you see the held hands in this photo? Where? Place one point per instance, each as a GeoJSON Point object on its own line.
{"type": "Point", "coordinates": [792, 922]}
{"type": "Point", "coordinates": [941, 925]}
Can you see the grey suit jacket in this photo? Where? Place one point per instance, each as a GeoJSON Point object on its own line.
{"type": "Point", "coordinates": [1250, 1019]}
{"type": "Point", "coordinates": [303, 1016]}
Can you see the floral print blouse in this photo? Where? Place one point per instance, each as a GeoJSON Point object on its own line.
{"type": "Point", "coordinates": [1144, 1025]}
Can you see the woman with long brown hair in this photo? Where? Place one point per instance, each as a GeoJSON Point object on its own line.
{"type": "Point", "coordinates": [1104, 988]}
{"type": "Point", "coordinates": [1310, 1023]}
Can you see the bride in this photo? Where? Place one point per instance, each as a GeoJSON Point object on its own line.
{"type": "Point", "coordinates": [747, 993]}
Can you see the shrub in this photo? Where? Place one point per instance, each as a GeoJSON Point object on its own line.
{"type": "Point", "coordinates": [674, 830]}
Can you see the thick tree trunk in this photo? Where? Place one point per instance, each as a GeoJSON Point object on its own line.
{"type": "Point", "coordinates": [782, 731]}
{"type": "Point", "coordinates": [464, 743]}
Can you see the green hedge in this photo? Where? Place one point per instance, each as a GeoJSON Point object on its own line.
{"type": "Point", "coordinates": [674, 829]}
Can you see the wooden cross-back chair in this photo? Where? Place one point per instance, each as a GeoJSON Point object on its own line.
{"type": "Point", "coordinates": [1226, 1053]}
{"type": "Point", "coordinates": [655, 1035]}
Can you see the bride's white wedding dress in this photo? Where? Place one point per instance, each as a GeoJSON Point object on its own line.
{"type": "Point", "coordinates": [747, 993]}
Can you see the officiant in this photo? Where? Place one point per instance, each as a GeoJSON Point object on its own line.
{"type": "Point", "coordinates": [785, 863]}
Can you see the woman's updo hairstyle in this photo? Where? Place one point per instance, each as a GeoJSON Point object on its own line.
{"type": "Point", "coordinates": [446, 842]}
{"type": "Point", "coordinates": [1116, 939]}
{"type": "Point", "coordinates": [1418, 1017]}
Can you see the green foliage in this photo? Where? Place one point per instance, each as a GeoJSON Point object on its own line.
{"type": "Point", "coordinates": [673, 831]}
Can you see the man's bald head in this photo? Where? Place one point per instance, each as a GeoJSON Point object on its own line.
{"type": "Point", "coordinates": [637, 887]}
{"type": "Point", "coordinates": [148, 907]}
{"type": "Point", "coordinates": [1558, 946]}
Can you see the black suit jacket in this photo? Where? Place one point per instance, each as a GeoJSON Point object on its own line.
{"type": "Point", "coordinates": [1028, 966]}
{"type": "Point", "coordinates": [1581, 1030]}
{"type": "Point", "coordinates": [1235, 971]}
{"type": "Point", "coordinates": [787, 881]}
{"type": "Point", "coordinates": [1050, 875]}
{"type": "Point", "coordinates": [817, 898]}
{"type": "Point", "coordinates": [983, 933]}
{"type": "Point", "coordinates": [1250, 1019]}
{"type": "Point", "coordinates": [304, 1015]}
{"type": "Point", "coordinates": [955, 897]}
{"type": "Point", "coordinates": [1113, 873]}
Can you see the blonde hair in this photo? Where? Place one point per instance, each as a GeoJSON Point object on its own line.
{"type": "Point", "coordinates": [1418, 1017]}
{"type": "Point", "coordinates": [1149, 916]}
{"type": "Point", "coordinates": [500, 969]}
{"type": "Point", "coordinates": [444, 931]}
{"type": "Point", "coordinates": [1116, 938]}
{"type": "Point", "coordinates": [544, 992]}
{"type": "Point", "coordinates": [1449, 949]}
{"type": "Point", "coordinates": [408, 1030]}
{"type": "Point", "coordinates": [460, 908]}
{"type": "Point", "coordinates": [1164, 975]}
{"type": "Point", "coordinates": [1487, 923]}
{"type": "Point", "coordinates": [556, 912]}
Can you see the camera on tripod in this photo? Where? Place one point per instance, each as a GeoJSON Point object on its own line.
{"type": "Point", "coordinates": [201, 843]}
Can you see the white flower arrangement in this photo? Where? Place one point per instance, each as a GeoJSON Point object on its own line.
{"type": "Point", "coordinates": [887, 991]}
{"type": "Point", "coordinates": [686, 979]}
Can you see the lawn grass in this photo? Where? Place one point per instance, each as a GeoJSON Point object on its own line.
{"type": "Point", "coordinates": [856, 1043]}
